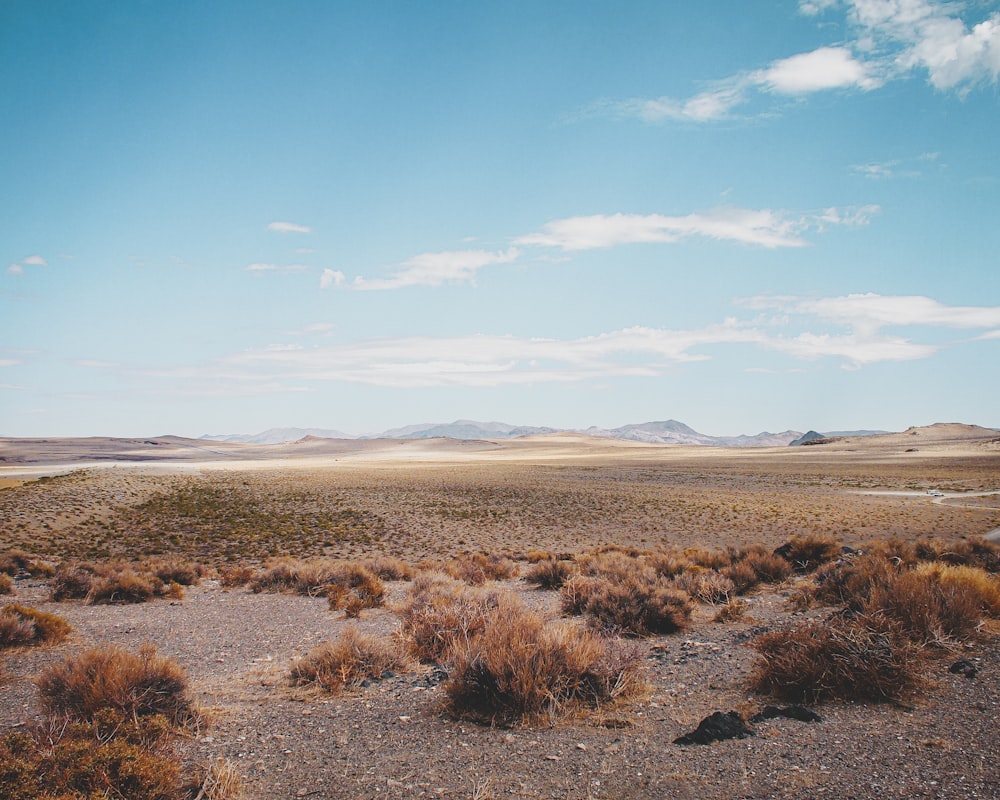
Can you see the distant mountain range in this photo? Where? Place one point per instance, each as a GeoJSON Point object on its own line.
{"type": "Point", "coordinates": [663, 432]}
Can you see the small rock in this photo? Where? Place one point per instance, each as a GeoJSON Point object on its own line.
{"type": "Point", "coordinates": [716, 727]}
{"type": "Point", "coordinates": [799, 713]}
{"type": "Point", "coordinates": [965, 667]}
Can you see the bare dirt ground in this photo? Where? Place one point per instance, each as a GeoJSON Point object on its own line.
{"type": "Point", "coordinates": [390, 739]}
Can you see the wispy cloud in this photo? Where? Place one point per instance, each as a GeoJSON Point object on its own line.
{"type": "Point", "coordinates": [763, 227]}
{"type": "Point", "coordinates": [288, 227]}
{"type": "Point", "coordinates": [276, 268]}
{"type": "Point", "coordinates": [35, 261]}
{"type": "Point", "coordinates": [15, 269]}
{"type": "Point", "coordinates": [856, 331]}
{"type": "Point", "coordinates": [889, 40]}
{"type": "Point", "coordinates": [435, 269]}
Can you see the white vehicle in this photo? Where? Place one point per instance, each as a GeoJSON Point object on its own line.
{"type": "Point", "coordinates": [935, 493]}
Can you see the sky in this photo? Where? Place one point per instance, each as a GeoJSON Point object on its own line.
{"type": "Point", "coordinates": [230, 216]}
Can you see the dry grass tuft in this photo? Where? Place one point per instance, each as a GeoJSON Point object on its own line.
{"type": "Point", "coordinates": [860, 658]}
{"type": "Point", "coordinates": [232, 576]}
{"type": "Point", "coordinates": [806, 553]}
{"type": "Point", "coordinates": [6, 583]}
{"type": "Point", "coordinates": [16, 563]}
{"type": "Point", "coordinates": [20, 625]}
{"type": "Point", "coordinates": [112, 756]}
{"type": "Point", "coordinates": [705, 584]}
{"type": "Point", "coordinates": [388, 568]}
{"type": "Point", "coordinates": [478, 568]}
{"type": "Point", "coordinates": [222, 782]}
{"type": "Point", "coordinates": [639, 606]}
{"type": "Point", "coordinates": [731, 611]}
{"type": "Point", "coordinates": [549, 573]}
{"type": "Point", "coordinates": [134, 684]}
{"type": "Point", "coordinates": [440, 611]}
{"type": "Point", "coordinates": [520, 669]}
{"type": "Point", "coordinates": [353, 658]}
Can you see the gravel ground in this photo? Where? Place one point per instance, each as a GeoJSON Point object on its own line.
{"type": "Point", "coordinates": [390, 739]}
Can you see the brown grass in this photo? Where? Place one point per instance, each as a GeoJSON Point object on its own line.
{"type": "Point", "coordinates": [549, 573]}
{"type": "Point", "coordinates": [112, 756]}
{"type": "Point", "coordinates": [440, 611]}
{"type": "Point", "coordinates": [478, 568]}
{"type": "Point", "coordinates": [350, 660]}
{"type": "Point", "coordinates": [521, 669]}
{"type": "Point", "coordinates": [6, 583]}
{"type": "Point", "coordinates": [705, 584]}
{"type": "Point", "coordinates": [20, 625]}
{"type": "Point", "coordinates": [860, 658]}
{"type": "Point", "coordinates": [134, 684]}
{"type": "Point", "coordinates": [635, 607]}
{"type": "Point", "coordinates": [806, 553]}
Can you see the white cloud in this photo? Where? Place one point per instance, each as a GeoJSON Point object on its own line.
{"type": "Point", "coordinates": [35, 261]}
{"type": "Point", "coordinates": [276, 268]}
{"type": "Point", "coordinates": [762, 227]}
{"type": "Point", "coordinates": [890, 40]}
{"type": "Point", "coordinates": [331, 277]}
{"type": "Point", "coordinates": [15, 269]}
{"type": "Point", "coordinates": [288, 227]}
{"type": "Point", "coordinates": [825, 68]}
{"type": "Point", "coordinates": [873, 311]}
{"type": "Point", "coordinates": [9, 362]}
{"type": "Point", "coordinates": [94, 363]}
{"type": "Point", "coordinates": [435, 269]}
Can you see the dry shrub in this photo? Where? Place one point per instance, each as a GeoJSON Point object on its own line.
{"type": "Point", "coordinates": [234, 575]}
{"type": "Point", "coordinates": [533, 556]}
{"type": "Point", "coordinates": [851, 580]}
{"type": "Point", "coordinates": [17, 562]}
{"type": "Point", "coordinates": [899, 552]}
{"type": "Point", "coordinates": [6, 583]}
{"type": "Point", "coordinates": [72, 581]}
{"type": "Point", "coordinates": [20, 625]}
{"type": "Point", "coordinates": [638, 607]}
{"type": "Point", "coordinates": [111, 756]}
{"type": "Point", "coordinates": [806, 553]}
{"type": "Point", "coordinates": [478, 568]}
{"type": "Point", "coordinates": [549, 573]}
{"type": "Point", "coordinates": [134, 684]}
{"type": "Point", "coordinates": [974, 551]}
{"type": "Point", "coordinates": [615, 565]}
{"type": "Point", "coordinates": [125, 586]}
{"type": "Point", "coordinates": [575, 594]}
{"type": "Point", "coordinates": [768, 567]}
{"type": "Point", "coordinates": [520, 669]}
{"type": "Point", "coordinates": [705, 584]}
{"type": "Point", "coordinates": [353, 658]}
{"type": "Point", "coordinates": [222, 782]}
{"type": "Point", "coordinates": [388, 568]}
{"type": "Point", "coordinates": [731, 611]}
{"type": "Point", "coordinates": [928, 610]}
{"type": "Point", "coordinates": [982, 585]}
{"type": "Point", "coordinates": [175, 570]}
{"type": "Point", "coordinates": [743, 577]}
{"type": "Point", "coordinates": [439, 611]}
{"type": "Point", "coordinates": [709, 559]}
{"type": "Point", "coordinates": [667, 565]}
{"type": "Point", "coordinates": [859, 658]}
{"type": "Point", "coordinates": [341, 582]}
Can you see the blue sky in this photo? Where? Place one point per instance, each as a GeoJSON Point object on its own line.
{"type": "Point", "coordinates": [222, 217]}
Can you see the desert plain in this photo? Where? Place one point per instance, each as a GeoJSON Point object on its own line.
{"type": "Point", "coordinates": [425, 502]}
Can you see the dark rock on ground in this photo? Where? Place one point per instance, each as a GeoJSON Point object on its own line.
{"type": "Point", "coordinates": [720, 725]}
{"type": "Point", "coordinates": [964, 666]}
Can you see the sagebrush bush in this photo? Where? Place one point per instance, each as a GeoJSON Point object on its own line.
{"type": "Point", "coordinates": [549, 573]}
{"type": "Point", "coordinates": [18, 562]}
{"type": "Point", "coordinates": [6, 583]}
{"type": "Point", "coordinates": [348, 661]}
{"type": "Point", "coordinates": [519, 668]}
{"type": "Point", "coordinates": [125, 586]}
{"type": "Point", "coordinates": [667, 564]}
{"type": "Point", "coordinates": [806, 553]}
{"type": "Point", "coordinates": [974, 551]}
{"type": "Point", "coordinates": [233, 575]}
{"type": "Point", "coordinates": [21, 625]}
{"type": "Point", "coordinates": [983, 586]}
{"type": "Point", "coordinates": [575, 593]}
{"type": "Point", "coordinates": [388, 568]}
{"type": "Point", "coordinates": [439, 611]}
{"type": "Point", "coordinates": [71, 581]}
{"type": "Point", "coordinates": [709, 559]}
{"type": "Point", "coordinates": [865, 657]}
{"type": "Point", "coordinates": [134, 684]}
{"type": "Point", "coordinates": [927, 610]}
{"type": "Point", "coordinates": [479, 568]}
{"type": "Point", "coordinates": [635, 607]}
{"type": "Point", "coordinates": [176, 570]}
{"type": "Point", "coordinates": [705, 584]}
{"type": "Point", "coordinates": [112, 756]}
{"type": "Point", "coordinates": [850, 581]}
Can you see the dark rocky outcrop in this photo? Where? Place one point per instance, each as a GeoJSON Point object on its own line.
{"type": "Point", "coordinates": [720, 725]}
